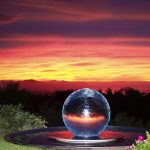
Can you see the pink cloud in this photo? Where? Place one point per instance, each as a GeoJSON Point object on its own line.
{"type": "Point", "coordinates": [82, 11]}
{"type": "Point", "coordinates": [47, 47]}
{"type": "Point", "coordinates": [7, 18]}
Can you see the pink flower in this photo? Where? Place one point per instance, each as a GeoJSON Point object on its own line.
{"type": "Point", "coordinates": [140, 138]}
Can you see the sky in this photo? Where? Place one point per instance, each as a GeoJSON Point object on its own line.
{"type": "Point", "coordinates": [75, 40]}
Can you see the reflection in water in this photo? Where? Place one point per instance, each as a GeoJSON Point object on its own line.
{"type": "Point", "coordinates": [84, 120]}
{"type": "Point", "coordinates": [46, 137]}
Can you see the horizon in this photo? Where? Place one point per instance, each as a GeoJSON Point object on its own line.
{"type": "Point", "coordinates": [75, 41]}
{"type": "Point", "coordinates": [54, 85]}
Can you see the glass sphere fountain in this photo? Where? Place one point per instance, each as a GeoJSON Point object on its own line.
{"type": "Point", "coordinates": [86, 113]}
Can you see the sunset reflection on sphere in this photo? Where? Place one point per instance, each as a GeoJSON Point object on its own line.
{"type": "Point", "coordinates": [86, 113]}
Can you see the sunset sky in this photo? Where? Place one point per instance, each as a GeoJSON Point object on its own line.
{"type": "Point", "coordinates": [75, 40]}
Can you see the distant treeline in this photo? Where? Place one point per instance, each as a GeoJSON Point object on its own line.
{"type": "Point", "coordinates": [49, 105]}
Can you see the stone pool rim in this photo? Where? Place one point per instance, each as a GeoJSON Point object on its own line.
{"type": "Point", "coordinates": [9, 137]}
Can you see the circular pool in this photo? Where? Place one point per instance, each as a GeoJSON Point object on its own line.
{"type": "Point", "coordinates": [114, 137]}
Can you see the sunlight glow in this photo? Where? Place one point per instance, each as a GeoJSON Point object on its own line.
{"type": "Point", "coordinates": [86, 120]}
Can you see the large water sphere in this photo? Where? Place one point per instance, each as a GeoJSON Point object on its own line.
{"type": "Point", "coordinates": [86, 113]}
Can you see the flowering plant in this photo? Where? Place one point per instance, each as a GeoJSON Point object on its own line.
{"type": "Point", "coordinates": [140, 143]}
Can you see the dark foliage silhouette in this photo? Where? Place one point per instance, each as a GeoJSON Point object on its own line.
{"type": "Point", "coordinates": [126, 100]}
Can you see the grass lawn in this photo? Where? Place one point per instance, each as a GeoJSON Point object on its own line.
{"type": "Point", "coordinates": [8, 146]}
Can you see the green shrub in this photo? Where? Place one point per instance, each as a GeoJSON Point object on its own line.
{"type": "Point", "coordinates": [123, 119]}
{"type": "Point", "coordinates": [13, 118]}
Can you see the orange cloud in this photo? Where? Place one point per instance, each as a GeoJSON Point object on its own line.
{"type": "Point", "coordinates": [76, 59]}
{"type": "Point", "coordinates": [82, 64]}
